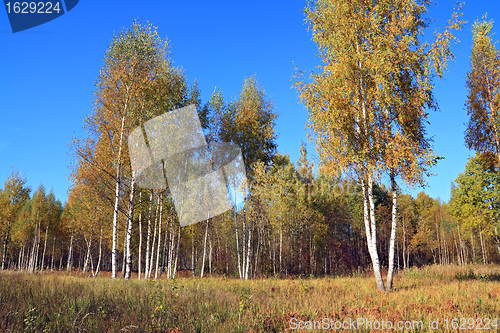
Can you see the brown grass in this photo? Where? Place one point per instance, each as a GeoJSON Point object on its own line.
{"type": "Point", "coordinates": [64, 302]}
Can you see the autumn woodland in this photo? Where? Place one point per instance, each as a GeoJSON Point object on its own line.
{"type": "Point", "coordinates": [335, 219]}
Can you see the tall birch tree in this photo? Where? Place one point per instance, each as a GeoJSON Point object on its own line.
{"type": "Point", "coordinates": [483, 100]}
{"type": "Point", "coordinates": [368, 105]}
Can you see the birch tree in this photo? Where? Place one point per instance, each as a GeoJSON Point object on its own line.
{"type": "Point", "coordinates": [368, 105]}
{"type": "Point", "coordinates": [483, 100]}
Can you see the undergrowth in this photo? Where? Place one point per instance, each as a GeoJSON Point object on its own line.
{"type": "Point", "coordinates": [63, 302]}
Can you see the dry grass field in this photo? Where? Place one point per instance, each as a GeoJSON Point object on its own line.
{"type": "Point", "coordinates": [431, 299]}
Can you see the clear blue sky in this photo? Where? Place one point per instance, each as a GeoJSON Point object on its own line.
{"type": "Point", "coordinates": [47, 74]}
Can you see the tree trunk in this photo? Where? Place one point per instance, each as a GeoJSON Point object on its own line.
{"type": "Point", "coordinates": [32, 260]}
{"type": "Point", "coordinates": [128, 268]}
{"type": "Point", "coordinates": [124, 253]}
{"type": "Point", "coordinates": [61, 256]}
{"type": "Point", "coordinates": [243, 245]}
{"type": "Point", "coordinates": [404, 245]}
{"type": "Point", "coordinates": [248, 251]}
{"type": "Point", "coordinates": [70, 254]}
{"type": "Point", "coordinates": [148, 238]}
{"type": "Point", "coordinates": [24, 260]}
{"type": "Point", "coordinates": [87, 256]}
{"type": "Point", "coordinates": [210, 254]}
{"type": "Point", "coordinates": [370, 228]}
{"type": "Point", "coordinates": [151, 259]}
{"type": "Point", "coordinates": [204, 250]}
{"type": "Point", "coordinates": [390, 272]}
{"type": "Point", "coordinates": [171, 250]}
{"type": "Point", "coordinates": [21, 249]}
{"type": "Point", "coordinates": [483, 248]}
{"type": "Point", "coordinates": [140, 237]}
{"type": "Point", "coordinates": [237, 242]}
{"type": "Point", "coordinates": [235, 215]}
{"type": "Point", "coordinates": [463, 252]}
{"type": "Point", "coordinates": [473, 248]}
{"type": "Point", "coordinates": [281, 250]}
{"type": "Point", "coordinates": [177, 250]}
{"type": "Point", "coordinates": [4, 256]}
{"type": "Point", "coordinates": [497, 240]}
{"type": "Point", "coordinates": [114, 250]}
{"type": "Point", "coordinates": [459, 257]}
{"type": "Point", "coordinates": [159, 236]}
{"type": "Point", "coordinates": [37, 240]}
{"type": "Point", "coordinates": [100, 255]}
{"type": "Point", "coordinates": [114, 268]}
{"type": "Point", "coordinates": [52, 255]}
{"type": "Point", "coordinates": [192, 255]}
{"type": "Point", "coordinates": [164, 252]}
{"type": "Point", "coordinates": [44, 247]}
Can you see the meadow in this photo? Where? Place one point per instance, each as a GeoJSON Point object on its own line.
{"type": "Point", "coordinates": [429, 299]}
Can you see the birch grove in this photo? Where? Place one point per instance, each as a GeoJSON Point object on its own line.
{"type": "Point", "coordinates": [344, 213]}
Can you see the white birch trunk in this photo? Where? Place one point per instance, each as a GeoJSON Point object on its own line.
{"type": "Point", "coordinates": [44, 247]}
{"type": "Point", "coordinates": [151, 259]}
{"type": "Point", "coordinates": [390, 272]}
{"type": "Point", "coordinates": [37, 245]}
{"type": "Point", "coordinates": [497, 240]}
{"type": "Point", "coordinates": [53, 254]}
{"type": "Point", "coordinates": [170, 251]}
{"type": "Point", "coordinates": [204, 251]}
{"type": "Point", "coordinates": [87, 256]}
{"type": "Point", "coordinates": [463, 253]}
{"type": "Point", "coordinates": [124, 253]}
{"type": "Point", "coordinates": [281, 250]}
{"type": "Point", "coordinates": [237, 243]}
{"type": "Point", "coordinates": [376, 263]}
{"type": "Point", "coordinates": [4, 256]}
{"type": "Point", "coordinates": [100, 255]}
{"type": "Point", "coordinates": [177, 250]}
{"type": "Point", "coordinates": [243, 245]}
{"type": "Point", "coordinates": [404, 245]}
{"type": "Point", "coordinates": [459, 257]}
{"type": "Point", "coordinates": [70, 254]}
{"type": "Point", "coordinates": [114, 250]}
{"type": "Point", "coordinates": [159, 236]}
{"type": "Point", "coordinates": [23, 259]}
{"type": "Point", "coordinates": [32, 261]}
{"type": "Point", "coordinates": [483, 248]}
{"type": "Point", "coordinates": [128, 261]}
{"type": "Point", "coordinates": [21, 249]}
{"type": "Point", "coordinates": [248, 251]}
{"type": "Point", "coordinates": [370, 228]}
{"type": "Point", "coordinates": [148, 238]}
{"type": "Point", "coordinates": [192, 255]}
{"type": "Point", "coordinates": [236, 234]}
{"type": "Point", "coordinates": [140, 238]}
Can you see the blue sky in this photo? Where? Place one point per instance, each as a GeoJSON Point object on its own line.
{"type": "Point", "coordinates": [47, 75]}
